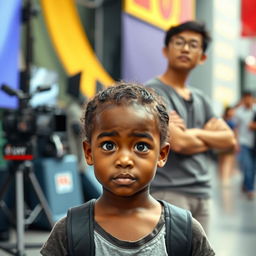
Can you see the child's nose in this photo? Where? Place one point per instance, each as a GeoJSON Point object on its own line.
{"type": "Point", "coordinates": [124, 160]}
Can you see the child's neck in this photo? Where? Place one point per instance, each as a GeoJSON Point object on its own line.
{"type": "Point", "coordinates": [123, 204]}
{"type": "Point", "coordinates": [127, 218]}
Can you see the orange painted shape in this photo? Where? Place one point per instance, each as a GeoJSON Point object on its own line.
{"type": "Point", "coordinates": [165, 7]}
{"type": "Point", "coordinates": [143, 3]}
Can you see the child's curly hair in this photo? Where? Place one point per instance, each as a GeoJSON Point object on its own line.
{"type": "Point", "coordinates": [124, 93]}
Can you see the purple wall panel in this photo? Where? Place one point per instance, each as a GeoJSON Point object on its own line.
{"type": "Point", "coordinates": [142, 45]}
{"type": "Point", "coordinates": [9, 49]}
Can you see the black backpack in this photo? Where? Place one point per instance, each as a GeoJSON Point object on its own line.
{"type": "Point", "coordinates": [80, 230]}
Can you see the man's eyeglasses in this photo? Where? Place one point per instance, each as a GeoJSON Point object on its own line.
{"type": "Point", "coordinates": [179, 43]}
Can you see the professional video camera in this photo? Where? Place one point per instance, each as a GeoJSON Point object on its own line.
{"type": "Point", "coordinates": [27, 126]}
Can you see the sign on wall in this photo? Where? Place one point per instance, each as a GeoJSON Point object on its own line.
{"type": "Point", "coordinates": [160, 13]}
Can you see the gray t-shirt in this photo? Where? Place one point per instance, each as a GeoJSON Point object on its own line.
{"type": "Point", "coordinates": [105, 244]}
{"type": "Point", "coordinates": [187, 174]}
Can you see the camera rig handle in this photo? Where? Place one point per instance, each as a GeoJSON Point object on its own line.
{"type": "Point", "coordinates": [11, 92]}
{"type": "Point", "coordinates": [21, 95]}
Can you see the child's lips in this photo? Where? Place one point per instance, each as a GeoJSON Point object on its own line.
{"type": "Point", "coordinates": [124, 179]}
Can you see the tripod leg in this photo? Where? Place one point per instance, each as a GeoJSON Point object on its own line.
{"type": "Point", "coordinates": [3, 207]}
{"type": "Point", "coordinates": [20, 212]}
{"type": "Point", "coordinates": [41, 197]}
{"type": "Point", "coordinates": [5, 185]}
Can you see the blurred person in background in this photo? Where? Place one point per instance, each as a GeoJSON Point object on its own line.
{"type": "Point", "coordinates": [185, 180]}
{"type": "Point", "coordinates": [227, 158]}
{"type": "Point", "coordinates": [245, 131]}
{"type": "Point", "coordinates": [253, 127]}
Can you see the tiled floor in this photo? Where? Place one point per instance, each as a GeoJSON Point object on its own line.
{"type": "Point", "coordinates": [233, 222]}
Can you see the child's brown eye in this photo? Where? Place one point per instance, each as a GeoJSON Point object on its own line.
{"type": "Point", "coordinates": [108, 146]}
{"type": "Point", "coordinates": [142, 147]}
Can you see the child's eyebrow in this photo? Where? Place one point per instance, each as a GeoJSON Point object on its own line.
{"type": "Point", "coordinates": [136, 134]}
{"type": "Point", "coordinates": [142, 135]}
{"type": "Point", "coordinates": [107, 134]}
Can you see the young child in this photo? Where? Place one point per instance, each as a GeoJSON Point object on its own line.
{"type": "Point", "coordinates": [126, 134]}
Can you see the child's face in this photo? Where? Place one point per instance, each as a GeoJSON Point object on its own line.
{"type": "Point", "coordinates": [125, 149]}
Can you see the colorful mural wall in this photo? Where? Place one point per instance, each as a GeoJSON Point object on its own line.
{"type": "Point", "coordinates": [143, 25]}
{"type": "Point", "coordinates": [144, 22]}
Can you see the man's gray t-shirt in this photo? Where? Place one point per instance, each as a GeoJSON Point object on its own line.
{"type": "Point", "coordinates": [187, 174]}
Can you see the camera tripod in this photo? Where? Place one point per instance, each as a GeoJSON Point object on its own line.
{"type": "Point", "coordinates": [20, 170]}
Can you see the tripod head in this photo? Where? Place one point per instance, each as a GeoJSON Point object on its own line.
{"type": "Point", "coordinates": [26, 125]}
{"type": "Point", "coordinates": [20, 125]}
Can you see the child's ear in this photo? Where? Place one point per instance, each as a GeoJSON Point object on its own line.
{"type": "Point", "coordinates": [164, 152]}
{"type": "Point", "coordinates": [88, 152]}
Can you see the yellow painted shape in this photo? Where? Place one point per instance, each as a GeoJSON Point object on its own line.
{"type": "Point", "coordinates": [72, 45]}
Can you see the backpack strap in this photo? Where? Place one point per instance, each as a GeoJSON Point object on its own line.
{"type": "Point", "coordinates": [80, 229]}
{"type": "Point", "coordinates": [178, 224]}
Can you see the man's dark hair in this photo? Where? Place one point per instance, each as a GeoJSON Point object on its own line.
{"type": "Point", "coordinates": [126, 94]}
{"type": "Point", "coordinates": [190, 26]}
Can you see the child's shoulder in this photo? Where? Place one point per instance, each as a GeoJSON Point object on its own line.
{"type": "Point", "coordinates": [56, 243]}
{"type": "Point", "coordinates": [185, 226]}
{"type": "Point", "coordinates": [200, 243]}
{"type": "Point", "coordinates": [60, 225]}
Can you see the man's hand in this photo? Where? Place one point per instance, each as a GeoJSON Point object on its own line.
{"type": "Point", "coordinates": [184, 140]}
{"type": "Point", "coordinates": [177, 120]}
{"type": "Point", "coordinates": [216, 124]}
{"type": "Point", "coordinates": [217, 134]}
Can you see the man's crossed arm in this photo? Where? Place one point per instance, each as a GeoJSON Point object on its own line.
{"type": "Point", "coordinates": [215, 134]}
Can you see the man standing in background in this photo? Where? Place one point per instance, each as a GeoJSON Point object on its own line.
{"type": "Point", "coordinates": [185, 179]}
